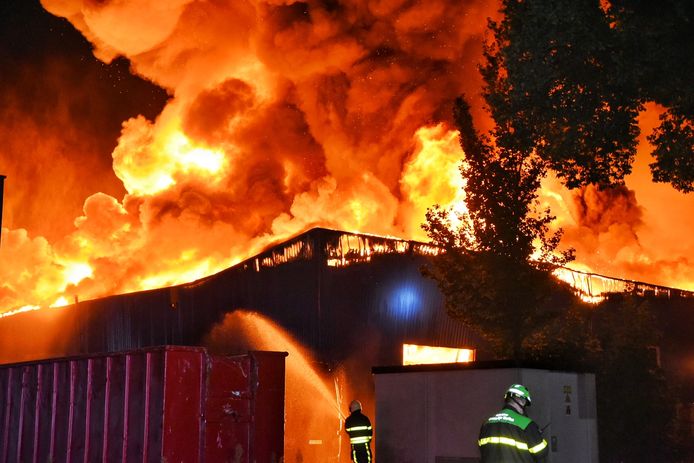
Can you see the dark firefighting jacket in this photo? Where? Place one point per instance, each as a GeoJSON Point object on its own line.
{"type": "Point", "coordinates": [509, 437]}
{"type": "Point", "coordinates": [358, 427]}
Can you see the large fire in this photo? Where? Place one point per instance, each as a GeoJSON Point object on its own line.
{"type": "Point", "coordinates": [286, 115]}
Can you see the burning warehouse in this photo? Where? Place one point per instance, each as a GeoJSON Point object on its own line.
{"type": "Point", "coordinates": [190, 135]}
{"type": "Point", "coordinates": [340, 303]}
{"type": "Point", "coordinates": [339, 294]}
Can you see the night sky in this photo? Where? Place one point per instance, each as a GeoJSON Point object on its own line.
{"type": "Point", "coordinates": [70, 106]}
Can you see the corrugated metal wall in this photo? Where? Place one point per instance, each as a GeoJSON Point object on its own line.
{"type": "Point", "coordinates": [333, 291]}
{"type": "Point", "coordinates": [174, 404]}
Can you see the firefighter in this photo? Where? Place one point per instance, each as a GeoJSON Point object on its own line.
{"type": "Point", "coordinates": [358, 428]}
{"type": "Point", "coordinates": [511, 436]}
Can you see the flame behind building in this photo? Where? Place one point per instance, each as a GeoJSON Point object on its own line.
{"type": "Point", "coordinates": [340, 302]}
{"type": "Point", "coordinates": [281, 116]}
{"type": "Point", "coordinates": [341, 295]}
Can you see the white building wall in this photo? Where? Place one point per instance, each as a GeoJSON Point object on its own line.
{"type": "Point", "coordinates": [435, 416]}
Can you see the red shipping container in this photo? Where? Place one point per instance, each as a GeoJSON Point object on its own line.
{"type": "Point", "coordinates": [165, 404]}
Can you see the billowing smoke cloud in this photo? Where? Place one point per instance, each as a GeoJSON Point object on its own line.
{"type": "Point", "coordinates": [50, 141]}
{"type": "Point", "coordinates": [607, 223]}
{"type": "Point", "coordinates": [283, 115]}
{"type": "Point", "coordinates": [600, 209]}
{"type": "Point", "coordinates": [635, 234]}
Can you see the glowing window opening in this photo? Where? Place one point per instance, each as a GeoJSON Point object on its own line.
{"type": "Point", "coordinates": [413, 354]}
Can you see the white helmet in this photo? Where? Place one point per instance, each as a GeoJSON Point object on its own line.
{"type": "Point", "coordinates": [354, 406]}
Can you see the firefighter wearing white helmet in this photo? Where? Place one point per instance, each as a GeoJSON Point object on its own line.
{"type": "Point", "coordinates": [511, 436]}
{"type": "Point", "coordinates": [358, 427]}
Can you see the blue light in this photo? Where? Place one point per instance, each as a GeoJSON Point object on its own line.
{"type": "Point", "coordinates": [405, 301]}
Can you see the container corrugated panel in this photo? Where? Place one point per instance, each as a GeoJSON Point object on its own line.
{"type": "Point", "coordinates": [165, 404]}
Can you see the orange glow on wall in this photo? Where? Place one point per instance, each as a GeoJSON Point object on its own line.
{"type": "Point", "coordinates": [413, 354]}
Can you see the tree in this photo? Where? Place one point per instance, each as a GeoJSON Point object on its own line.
{"type": "Point", "coordinates": [636, 402]}
{"type": "Point", "coordinates": [636, 406]}
{"type": "Point", "coordinates": [495, 272]}
{"type": "Point", "coordinates": [568, 340]}
{"type": "Point", "coordinates": [569, 78]}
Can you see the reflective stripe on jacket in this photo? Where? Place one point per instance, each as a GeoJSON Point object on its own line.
{"type": "Point", "coordinates": [509, 437]}
{"type": "Point", "coordinates": [358, 427]}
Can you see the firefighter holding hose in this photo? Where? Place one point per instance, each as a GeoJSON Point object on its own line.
{"type": "Point", "coordinates": [358, 427]}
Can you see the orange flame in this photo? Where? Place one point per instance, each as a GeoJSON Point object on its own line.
{"type": "Point", "coordinates": [284, 116]}
{"type": "Point", "coordinates": [413, 354]}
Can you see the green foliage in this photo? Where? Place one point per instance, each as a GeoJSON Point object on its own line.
{"type": "Point", "coordinates": [495, 281]}
{"type": "Point", "coordinates": [635, 402]}
{"type": "Point", "coordinates": [674, 140]}
{"type": "Point", "coordinates": [568, 79]}
{"type": "Point", "coordinates": [568, 340]}
{"type": "Point", "coordinates": [495, 273]}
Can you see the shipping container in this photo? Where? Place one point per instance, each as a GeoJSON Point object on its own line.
{"type": "Point", "coordinates": [168, 404]}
